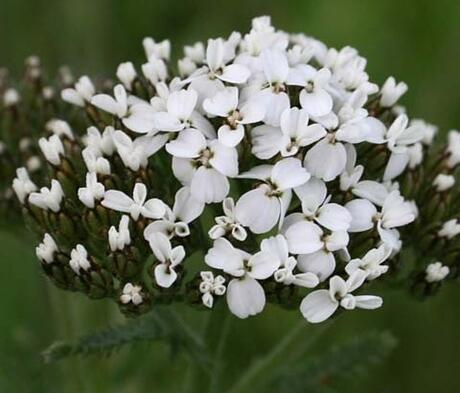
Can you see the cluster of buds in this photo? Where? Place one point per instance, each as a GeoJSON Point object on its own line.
{"type": "Point", "coordinates": [270, 169]}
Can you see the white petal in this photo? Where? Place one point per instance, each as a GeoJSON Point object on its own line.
{"type": "Point", "coordinates": [289, 173]}
{"type": "Point", "coordinates": [304, 238]}
{"type": "Point", "coordinates": [224, 256]}
{"type": "Point", "coordinates": [252, 112]}
{"type": "Point", "coordinates": [262, 265]}
{"type": "Point", "coordinates": [188, 144]}
{"type": "Point", "coordinates": [318, 306]}
{"type": "Point", "coordinates": [266, 141]}
{"type": "Point", "coordinates": [223, 103]}
{"type": "Point", "coordinates": [106, 103]}
{"type": "Point", "coordinates": [164, 276]}
{"type": "Point", "coordinates": [224, 158]}
{"type": "Point", "coordinates": [321, 263]}
{"type": "Point", "coordinates": [326, 160]}
{"type": "Point", "coordinates": [183, 170]}
{"type": "Point", "coordinates": [230, 137]}
{"type": "Point", "coordinates": [277, 247]}
{"type": "Point", "coordinates": [258, 211]}
{"type": "Point", "coordinates": [165, 121]}
{"type": "Point", "coordinates": [372, 191]}
{"type": "Point", "coordinates": [209, 186]}
{"type": "Point", "coordinates": [312, 194]}
{"type": "Point", "coordinates": [368, 302]}
{"type": "Point", "coordinates": [275, 65]}
{"type": "Point", "coordinates": [396, 165]}
{"type": "Point", "coordinates": [362, 212]}
{"type": "Point", "coordinates": [235, 73]}
{"type": "Point", "coordinates": [318, 103]}
{"type": "Point", "coordinates": [141, 119]}
{"type": "Point", "coordinates": [117, 200]}
{"type": "Point", "coordinates": [182, 103]}
{"type": "Point", "coordinates": [334, 217]}
{"type": "Point", "coordinates": [160, 245]}
{"type": "Point", "coordinates": [245, 297]}
{"type": "Point", "coordinates": [154, 208]}
{"type": "Point", "coordinates": [187, 208]}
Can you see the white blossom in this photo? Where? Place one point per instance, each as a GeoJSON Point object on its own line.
{"type": "Point", "coordinates": [137, 205]}
{"type": "Point", "coordinates": [261, 208]}
{"type": "Point", "coordinates": [443, 182]}
{"type": "Point", "coordinates": [117, 105]}
{"type": "Point", "coordinates": [81, 94]}
{"type": "Point", "coordinates": [319, 305]}
{"type": "Point", "coordinates": [228, 224]}
{"type": "Point", "coordinates": [52, 148]}
{"type": "Point", "coordinates": [131, 294]}
{"type": "Point", "coordinates": [121, 237]}
{"type": "Point", "coordinates": [22, 185]}
{"type": "Point", "coordinates": [126, 73]}
{"type": "Point", "coordinates": [245, 295]}
{"type": "Point", "coordinates": [391, 92]}
{"type": "Point", "coordinates": [169, 258]}
{"type": "Point", "coordinates": [79, 259]}
{"type": "Point", "coordinates": [453, 148]}
{"type": "Point", "coordinates": [371, 263]}
{"type": "Point", "coordinates": [211, 286]}
{"type": "Point", "coordinates": [60, 128]}
{"type": "Point", "coordinates": [47, 249]}
{"type": "Point", "coordinates": [450, 229]}
{"type": "Point", "coordinates": [48, 198]}
{"type": "Point", "coordinates": [436, 272]}
{"type": "Point", "coordinates": [92, 192]}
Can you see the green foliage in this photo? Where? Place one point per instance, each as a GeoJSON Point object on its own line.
{"type": "Point", "coordinates": [158, 325]}
{"type": "Point", "coordinates": [341, 363]}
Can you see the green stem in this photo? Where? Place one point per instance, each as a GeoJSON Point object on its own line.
{"type": "Point", "coordinates": [218, 365]}
{"type": "Point", "coordinates": [258, 370]}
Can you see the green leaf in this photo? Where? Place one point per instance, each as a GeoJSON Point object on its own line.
{"type": "Point", "coordinates": [158, 325]}
{"type": "Point", "coordinates": [343, 362]}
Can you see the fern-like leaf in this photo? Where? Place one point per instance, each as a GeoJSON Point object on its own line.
{"type": "Point", "coordinates": [158, 325]}
{"type": "Point", "coordinates": [352, 359]}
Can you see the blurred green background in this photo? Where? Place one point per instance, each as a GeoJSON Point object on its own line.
{"type": "Point", "coordinates": [415, 40]}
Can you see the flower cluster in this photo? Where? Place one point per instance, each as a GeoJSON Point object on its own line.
{"type": "Point", "coordinates": [270, 169]}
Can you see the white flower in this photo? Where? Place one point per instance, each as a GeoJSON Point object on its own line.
{"type": "Point", "coordinates": [94, 191]}
{"type": "Point", "coordinates": [137, 205]}
{"type": "Point", "coordinates": [399, 135]}
{"type": "Point", "coordinates": [52, 148]}
{"type": "Point", "coordinates": [450, 229]}
{"type": "Point", "coordinates": [135, 153]}
{"type": "Point", "coordinates": [245, 296]}
{"type": "Point", "coordinates": [294, 133]}
{"type": "Point", "coordinates": [169, 258]}
{"type": "Point", "coordinates": [79, 259]}
{"type": "Point", "coordinates": [352, 174]}
{"type": "Point", "coordinates": [319, 305]}
{"type": "Point", "coordinates": [103, 143]}
{"type": "Point", "coordinates": [126, 73]}
{"type": "Point", "coordinates": [225, 104]}
{"type": "Point", "coordinates": [81, 94]}
{"type": "Point", "coordinates": [210, 286]}
{"type": "Point", "coordinates": [175, 222]}
{"type": "Point", "coordinates": [203, 164]}
{"type": "Point", "coordinates": [119, 239]}
{"type": "Point", "coordinates": [260, 209]}
{"type": "Point", "coordinates": [443, 182]}
{"type": "Point", "coordinates": [60, 128]}
{"type": "Point", "coordinates": [391, 92]}
{"type": "Point", "coordinates": [159, 50]}
{"type": "Point", "coordinates": [48, 198]}
{"type": "Point", "coordinates": [314, 97]}
{"type": "Point", "coordinates": [208, 80]}
{"type": "Point", "coordinates": [371, 263]}
{"type": "Point", "coordinates": [95, 162]}
{"type": "Point", "coordinates": [46, 250]}
{"type": "Point", "coordinates": [117, 106]}
{"type": "Point", "coordinates": [22, 185]}
{"type": "Point", "coordinates": [228, 224]}
{"type": "Point", "coordinates": [395, 212]}
{"type": "Point", "coordinates": [305, 237]}
{"type": "Point", "coordinates": [277, 247]}
{"type": "Point", "coordinates": [453, 148]}
{"type": "Point", "coordinates": [271, 90]}
{"type": "Point", "coordinates": [131, 294]}
{"type": "Point", "coordinates": [155, 70]}
{"type": "Point", "coordinates": [436, 272]}
{"type": "Point", "coordinates": [316, 206]}
{"type": "Point", "coordinates": [11, 97]}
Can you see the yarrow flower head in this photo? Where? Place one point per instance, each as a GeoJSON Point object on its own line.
{"type": "Point", "coordinates": [270, 169]}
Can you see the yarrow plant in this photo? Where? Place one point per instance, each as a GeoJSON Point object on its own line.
{"type": "Point", "coordinates": [269, 169]}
